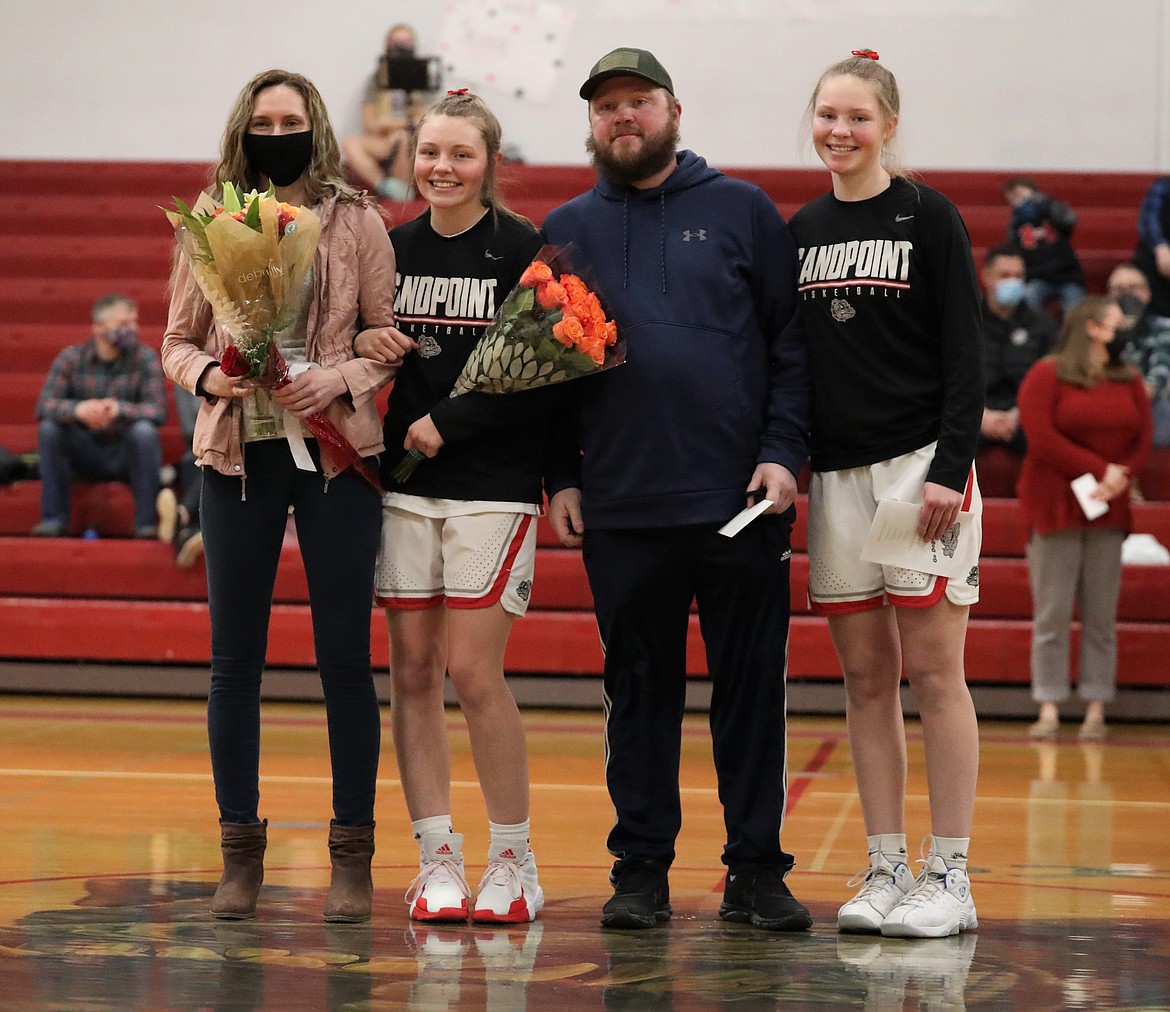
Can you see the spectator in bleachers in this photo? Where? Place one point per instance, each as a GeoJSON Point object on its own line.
{"type": "Point", "coordinates": [1152, 255]}
{"type": "Point", "coordinates": [178, 521]}
{"type": "Point", "coordinates": [99, 414]}
{"type": "Point", "coordinates": [1015, 336]}
{"type": "Point", "coordinates": [1146, 339]}
{"type": "Point", "coordinates": [1084, 411]}
{"type": "Point", "coordinates": [1041, 227]}
{"type": "Point", "coordinates": [382, 154]}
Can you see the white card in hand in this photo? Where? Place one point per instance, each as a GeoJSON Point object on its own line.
{"type": "Point", "coordinates": [1083, 488]}
{"type": "Point", "coordinates": [738, 522]}
{"type": "Point", "coordinates": [893, 540]}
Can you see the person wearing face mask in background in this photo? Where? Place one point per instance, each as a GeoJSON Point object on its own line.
{"type": "Point", "coordinates": [279, 132]}
{"type": "Point", "coordinates": [98, 417]}
{"type": "Point", "coordinates": [1015, 336]}
{"type": "Point", "coordinates": [1084, 412]}
{"type": "Point", "coordinates": [1041, 228]}
{"type": "Point", "coordinates": [1145, 341]}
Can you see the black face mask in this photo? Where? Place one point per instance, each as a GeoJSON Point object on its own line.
{"type": "Point", "coordinates": [1131, 305]}
{"type": "Point", "coordinates": [280, 157]}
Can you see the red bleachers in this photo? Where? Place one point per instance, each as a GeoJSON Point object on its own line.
{"type": "Point", "coordinates": [72, 231]}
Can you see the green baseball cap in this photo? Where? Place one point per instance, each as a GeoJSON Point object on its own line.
{"type": "Point", "coordinates": [627, 63]}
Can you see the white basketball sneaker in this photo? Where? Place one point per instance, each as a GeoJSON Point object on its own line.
{"type": "Point", "coordinates": [885, 886]}
{"type": "Point", "coordinates": [440, 891]}
{"type": "Point", "coordinates": [509, 892]}
{"type": "Point", "coordinates": [939, 905]}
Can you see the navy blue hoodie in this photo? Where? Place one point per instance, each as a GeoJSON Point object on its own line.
{"type": "Point", "coordinates": [700, 275]}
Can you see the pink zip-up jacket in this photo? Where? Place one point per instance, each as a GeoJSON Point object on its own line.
{"type": "Point", "coordinates": [354, 291]}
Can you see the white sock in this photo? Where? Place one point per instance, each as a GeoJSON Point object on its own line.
{"type": "Point", "coordinates": [952, 850]}
{"type": "Point", "coordinates": [892, 847]}
{"type": "Point", "coordinates": [509, 843]}
{"type": "Point", "coordinates": [436, 825]}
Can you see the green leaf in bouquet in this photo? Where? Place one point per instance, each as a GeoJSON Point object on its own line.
{"type": "Point", "coordinates": [575, 364]}
{"type": "Point", "coordinates": [525, 300]}
{"type": "Point", "coordinates": [549, 350]}
{"type": "Point", "coordinates": [252, 218]}
{"type": "Point", "coordinates": [231, 198]}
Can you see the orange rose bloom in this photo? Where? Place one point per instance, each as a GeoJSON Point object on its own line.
{"type": "Point", "coordinates": [568, 331]}
{"type": "Point", "coordinates": [594, 349]}
{"type": "Point", "coordinates": [574, 286]}
{"type": "Point", "coordinates": [535, 274]}
{"type": "Point", "coordinates": [551, 294]}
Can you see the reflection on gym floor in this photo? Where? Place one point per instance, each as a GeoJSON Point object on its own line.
{"type": "Point", "coordinates": [111, 855]}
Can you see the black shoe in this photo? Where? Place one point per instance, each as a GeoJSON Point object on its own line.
{"type": "Point", "coordinates": [756, 894]}
{"type": "Point", "coordinates": [641, 895]}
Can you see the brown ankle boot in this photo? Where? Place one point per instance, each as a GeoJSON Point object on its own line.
{"type": "Point", "coordinates": [351, 889]}
{"type": "Point", "coordinates": [243, 845]}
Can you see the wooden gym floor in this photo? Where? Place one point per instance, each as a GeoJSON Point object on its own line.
{"type": "Point", "coordinates": [109, 853]}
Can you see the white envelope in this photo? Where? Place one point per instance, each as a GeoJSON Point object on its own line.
{"type": "Point", "coordinates": [1083, 488]}
{"type": "Point", "coordinates": [893, 541]}
{"type": "Point", "coordinates": [744, 517]}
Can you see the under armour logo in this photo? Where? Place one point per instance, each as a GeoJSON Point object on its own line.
{"type": "Point", "coordinates": [699, 233]}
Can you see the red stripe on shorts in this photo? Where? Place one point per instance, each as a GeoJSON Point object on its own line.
{"type": "Point", "coordinates": [408, 603]}
{"type": "Point", "coordinates": [496, 591]}
{"type": "Point", "coordinates": [846, 607]}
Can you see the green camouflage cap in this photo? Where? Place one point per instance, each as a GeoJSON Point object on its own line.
{"type": "Point", "coordinates": [627, 63]}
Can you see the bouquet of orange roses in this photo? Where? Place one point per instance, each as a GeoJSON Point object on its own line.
{"type": "Point", "coordinates": [252, 257]}
{"type": "Point", "coordinates": [550, 328]}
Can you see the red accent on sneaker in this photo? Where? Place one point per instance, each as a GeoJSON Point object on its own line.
{"type": "Point", "coordinates": [517, 914]}
{"type": "Point", "coordinates": [445, 850]}
{"type": "Point", "coordinates": [507, 855]}
{"type": "Point", "coordinates": [419, 912]}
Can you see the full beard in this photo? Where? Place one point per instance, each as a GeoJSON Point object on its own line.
{"type": "Point", "coordinates": [656, 153]}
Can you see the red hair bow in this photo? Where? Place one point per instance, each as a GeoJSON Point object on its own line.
{"type": "Point", "coordinates": [869, 54]}
{"type": "Point", "coordinates": [457, 91]}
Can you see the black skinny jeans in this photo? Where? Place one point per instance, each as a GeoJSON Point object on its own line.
{"type": "Point", "coordinates": [338, 527]}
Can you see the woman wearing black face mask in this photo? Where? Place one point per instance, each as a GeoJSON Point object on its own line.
{"type": "Point", "coordinates": [279, 132]}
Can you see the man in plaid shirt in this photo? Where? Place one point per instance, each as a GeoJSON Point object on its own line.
{"type": "Point", "coordinates": [99, 414]}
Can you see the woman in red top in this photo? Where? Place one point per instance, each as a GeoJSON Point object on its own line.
{"type": "Point", "coordinates": [1082, 411]}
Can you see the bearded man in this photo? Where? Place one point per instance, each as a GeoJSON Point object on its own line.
{"type": "Point", "coordinates": [709, 414]}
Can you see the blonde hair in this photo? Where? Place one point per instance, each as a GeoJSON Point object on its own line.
{"type": "Point", "coordinates": [323, 178]}
{"type": "Point", "coordinates": [464, 105]}
{"type": "Point", "coordinates": [1071, 353]}
{"type": "Point", "coordinates": [885, 90]}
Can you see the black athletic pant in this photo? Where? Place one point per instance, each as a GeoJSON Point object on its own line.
{"type": "Point", "coordinates": [643, 582]}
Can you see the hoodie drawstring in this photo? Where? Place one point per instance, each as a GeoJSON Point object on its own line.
{"type": "Point", "coordinates": [626, 242]}
{"type": "Point", "coordinates": [661, 240]}
{"type": "Point", "coordinates": [662, 236]}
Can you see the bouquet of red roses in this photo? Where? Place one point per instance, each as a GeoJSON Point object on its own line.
{"type": "Point", "coordinates": [551, 328]}
{"type": "Point", "coordinates": [252, 257]}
